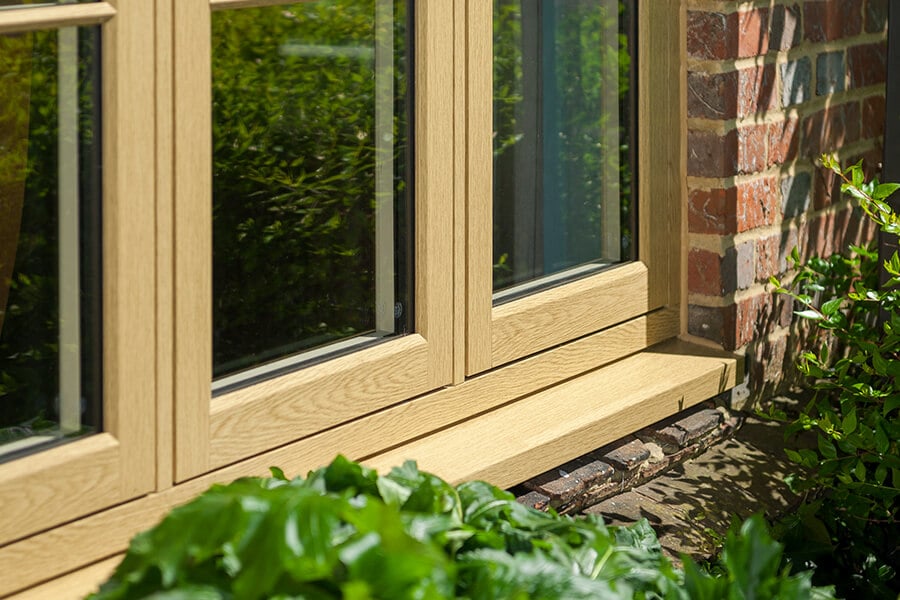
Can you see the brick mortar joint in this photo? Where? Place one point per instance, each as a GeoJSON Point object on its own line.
{"type": "Point", "coordinates": [720, 66]}
{"type": "Point", "coordinates": [677, 439]}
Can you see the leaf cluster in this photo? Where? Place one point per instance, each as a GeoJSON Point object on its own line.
{"type": "Point", "coordinates": [346, 532]}
{"type": "Point", "coordinates": [853, 472]}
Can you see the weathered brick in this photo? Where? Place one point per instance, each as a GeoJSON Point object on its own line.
{"type": "Point", "coordinates": [785, 30]}
{"type": "Point", "coordinates": [562, 485]}
{"type": "Point", "coordinates": [796, 78]}
{"type": "Point", "coordinates": [828, 20]}
{"type": "Point", "coordinates": [751, 148]}
{"type": "Point", "coordinates": [784, 139]}
{"type": "Point", "coordinates": [739, 272]}
{"type": "Point", "coordinates": [670, 439]}
{"type": "Point", "coordinates": [710, 35]}
{"type": "Point", "coordinates": [867, 64]}
{"type": "Point", "coordinates": [873, 117]}
{"type": "Point", "coordinates": [757, 203]}
{"type": "Point", "coordinates": [628, 455]}
{"type": "Point", "coordinates": [699, 424]}
{"type": "Point", "coordinates": [712, 211]}
{"type": "Point", "coordinates": [707, 322]}
{"type": "Point", "coordinates": [753, 32]}
{"type": "Point", "coordinates": [756, 90]}
{"type": "Point", "coordinates": [712, 96]}
{"type": "Point", "coordinates": [830, 73]}
{"type": "Point", "coordinates": [705, 273]}
{"type": "Point", "coordinates": [831, 128]}
{"type": "Point", "coordinates": [826, 187]}
{"type": "Point", "coordinates": [768, 257]}
{"type": "Point", "coordinates": [711, 154]}
{"type": "Point", "coordinates": [876, 15]}
{"type": "Point", "coordinates": [534, 500]}
{"type": "Point", "coordinates": [795, 194]}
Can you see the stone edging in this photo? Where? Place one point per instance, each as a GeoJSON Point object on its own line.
{"type": "Point", "coordinates": [630, 461]}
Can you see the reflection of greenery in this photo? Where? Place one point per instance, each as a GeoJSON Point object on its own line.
{"type": "Point", "coordinates": [587, 165]}
{"type": "Point", "coordinates": [294, 175]}
{"type": "Point", "coordinates": [29, 360]}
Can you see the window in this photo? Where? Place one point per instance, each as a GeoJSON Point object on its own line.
{"type": "Point", "coordinates": [50, 284]}
{"type": "Point", "coordinates": [76, 107]}
{"type": "Point", "coordinates": [564, 191]}
{"type": "Point", "coordinates": [347, 226]}
{"type": "Point", "coordinates": [368, 57]}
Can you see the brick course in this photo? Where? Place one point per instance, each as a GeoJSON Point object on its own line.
{"type": "Point", "coordinates": [770, 89]}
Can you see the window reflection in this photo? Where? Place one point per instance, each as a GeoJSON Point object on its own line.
{"type": "Point", "coordinates": [563, 137]}
{"type": "Point", "coordinates": [310, 153]}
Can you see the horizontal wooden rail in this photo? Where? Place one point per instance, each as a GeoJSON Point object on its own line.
{"type": "Point", "coordinates": [53, 17]}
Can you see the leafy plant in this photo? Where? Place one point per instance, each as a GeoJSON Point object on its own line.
{"type": "Point", "coordinates": [854, 480]}
{"type": "Point", "coordinates": [346, 532]}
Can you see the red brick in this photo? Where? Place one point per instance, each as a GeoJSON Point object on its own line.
{"type": "Point", "coordinates": [831, 128]}
{"type": "Point", "coordinates": [873, 117]}
{"type": "Point", "coordinates": [876, 15]}
{"type": "Point", "coordinates": [710, 35]}
{"type": "Point", "coordinates": [712, 211]}
{"type": "Point", "coordinates": [867, 64]}
{"type": "Point", "coordinates": [756, 90]}
{"type": "Point", "coordinates": [826, 188]}
{"type": "Point", "coordinates": [784, 140]}
{"type": "Point", "coordinates": [712, 96]}
{"type": "Point", "coordinates": [705, 273]}
{"type": "Point", "coordinates": [711, 154]}
{"type": "Point", "coordinates": [757, 203]}
{"type": "Point", "coordinates": [785, 31]}
{"type": "Point", "coordinates": [827, 20]}
{"type": "Point", "coordinates": [751, 148]}
{"type": "Point", "coordinates": [753, 32]}
{"type": "Point", "coordinates": [768, 257]}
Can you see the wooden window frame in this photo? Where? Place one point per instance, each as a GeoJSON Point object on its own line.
{"type": "Point", "coordinates": [497, 335]}
{"type": "Point", "coordinates": [51, 487]}
{"type": "Point", "coordinates": [214, 431]}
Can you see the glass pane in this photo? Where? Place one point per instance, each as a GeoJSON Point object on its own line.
{"type": "Point", "coordinates": [50, 354]}
{"type": "Point", "coordinates": [310, 170]}
{"type": "Point", "coordinates": [563, 138]}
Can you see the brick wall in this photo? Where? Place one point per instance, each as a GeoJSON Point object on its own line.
{"type": "Point", "coordinates": [771, 85]}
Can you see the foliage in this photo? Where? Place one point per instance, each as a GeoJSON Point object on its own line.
{"type": "Point", "coordinates": [856, 408]}
{"type": "Point", "coordinates": [345, 532]}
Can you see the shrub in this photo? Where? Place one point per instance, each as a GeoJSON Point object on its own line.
{"type": "Point", "coordinates": [854, 481]}
{"type": "Point", "coordinates": [345, 532]}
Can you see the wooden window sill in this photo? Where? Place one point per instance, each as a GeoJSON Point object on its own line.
{"type": "Point", "coordinates": [525, 438]}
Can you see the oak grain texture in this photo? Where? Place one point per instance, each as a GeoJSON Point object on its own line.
{"type": "Point", "coordinates": [35, 559]}
{"type": "Point", "coordinates": [48, 17]}
{"type": "Point", "coordinates": [538, 432]}
{"type": "Point", "coordinates": [192, 73]}
{"type": "Point", "coordinates": [551, 317]}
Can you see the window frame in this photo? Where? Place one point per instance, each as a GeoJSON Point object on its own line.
{"type": "Point", "coordinates": [214, 431]}
{"type": "Point", "coordinates": [118, 463]}
{"type": "Point", "coordinates": [499, 334]}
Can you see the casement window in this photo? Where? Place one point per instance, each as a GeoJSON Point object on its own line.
{"type": "Point", "coordinates": [354, 226]}
{"type": "Point", "coordinates": [77, 261]}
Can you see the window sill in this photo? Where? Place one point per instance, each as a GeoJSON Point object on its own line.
{"type": "Point", "coordinates": [525, 438]}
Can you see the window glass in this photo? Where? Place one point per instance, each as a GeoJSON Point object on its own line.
{"type": "Point", "coordinates": [563, 139]}
{"type": "Point", "coordinates": [310, 181]}
{"type": "Point", "coordinates": [50, 354]}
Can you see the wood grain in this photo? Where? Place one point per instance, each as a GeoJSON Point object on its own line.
{"type": "Point", "coordinates": [519, 440]}
{"type": "Point", "coordinates": [49, 17]}
{"type": "Point", "coordinates": [546, 319]}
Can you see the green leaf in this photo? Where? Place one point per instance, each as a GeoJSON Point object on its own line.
{"type": "Point", "coordinates": [826, 448]}
{"type": "Point", "coordinates": [884, 190]}
{"type": "Point", "coordinates": [808, 314]}
{"type": "Point", "coordinates": [848, 424]}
